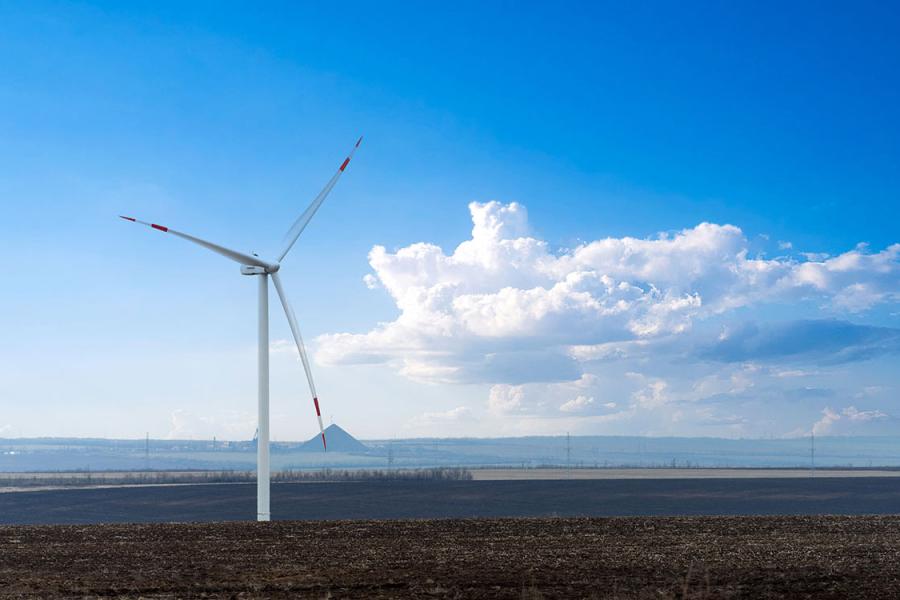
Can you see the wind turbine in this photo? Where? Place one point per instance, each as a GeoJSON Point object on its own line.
{"type": "Point", "coordinates": [251, 264]}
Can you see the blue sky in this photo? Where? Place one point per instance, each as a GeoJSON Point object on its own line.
{"type": "Point", "coordinates": [600, 121]}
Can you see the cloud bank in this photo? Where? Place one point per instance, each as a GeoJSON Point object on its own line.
{"type": "Point", "coordinates": [823, 341]}
{"type": "Point", "coordinates": [505, 308]}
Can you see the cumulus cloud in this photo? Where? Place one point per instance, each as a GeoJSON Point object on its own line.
{"type": "Point", "coordinates": [578, 404]}
{"type": "Point", "coordinates": [505, 308]}
{"type": "Point", "coordinates": [855, 280]}
{"type": "Point", "coordinates": [849, 415]}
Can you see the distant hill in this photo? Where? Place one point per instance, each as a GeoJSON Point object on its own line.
{"type": "Point", "coordinates": [338, 441]}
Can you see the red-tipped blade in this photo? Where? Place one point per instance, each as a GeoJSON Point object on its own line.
{"type": "Point", "coordinates": [303, 220]}
{"type": "Point", "coordinates": [239, 257]}
{"type": "Point", "coordinates": [301, 350]}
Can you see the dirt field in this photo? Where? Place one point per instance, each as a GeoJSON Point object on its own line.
{"type": "Point", "coordinates": [457, 499]}
{"type": "Point", "coordinates": [673, 557]}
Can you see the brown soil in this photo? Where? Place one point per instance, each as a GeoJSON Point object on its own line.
{"type": "Point", "coordinates": [668, 557]}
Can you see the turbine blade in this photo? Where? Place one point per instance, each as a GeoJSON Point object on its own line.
{"type": "Point", "coordinates": [292, 321]}
{"type": "Point", "coordinates": [303, 220]}
{"type": "Point", "coordinates": [239, 257]}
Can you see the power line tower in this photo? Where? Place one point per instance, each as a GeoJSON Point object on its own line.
{"type": "Point", "coordinates": [390, 455]}
{"type": "Point", "coordinates": [812, 453]}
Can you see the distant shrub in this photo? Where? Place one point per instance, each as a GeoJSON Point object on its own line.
{"type": "Point", "coordinates": [434, 474]}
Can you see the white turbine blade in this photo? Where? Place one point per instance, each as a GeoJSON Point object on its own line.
{"type": "Point", "coordinates": [240, 257]}
{"type": "Point", "coordinates": [303, 220]}
{"type": "Point", "coordinates": [292, 321]}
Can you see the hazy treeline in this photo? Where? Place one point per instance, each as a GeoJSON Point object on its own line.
{"type": "Point", "coordinates": [75, 479]}
{"type": "Point", "coordinates": [433, 474]}
{"type": "Point", "coordinates": [66, 455]}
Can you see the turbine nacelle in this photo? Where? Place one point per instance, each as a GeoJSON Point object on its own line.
{"type": "Point", "coordinates": [255, 270]}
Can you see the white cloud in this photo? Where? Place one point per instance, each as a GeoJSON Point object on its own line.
{"type": "Point", "coordinates": [371, 281]}
{"type": "Point", "coordinates": [793, 373]}
{"type": "Point", "coordinates": [578, 404]}
{"type": "Point", "coordinates": [651, 396]}
{"type": "Point", "coordinates": [503, 399]}
{"type": "Point", "coordinates": [849, 414]}
{"type": "Point", "coordinates": [504, 308]}
{"type": "Point", "coordinates": [855, 280]}
{"type": "Point", "coordinates": [823, 425]}
{"type": "Point", "coordinates": [606, 352]}
{"type": "Point", "coordinates": [587, 380]}
{"type": "Point", "coordinates": [720, 383]}
{"type": "Point", "coordinates": [785, 245]}
{"type": "Point", "coordinates": [454, 415]}
{"type": "Point", "coordinates": [852, 413]}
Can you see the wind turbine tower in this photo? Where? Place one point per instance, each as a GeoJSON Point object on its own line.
{"type": "Point", "coordinates": [253, 265]}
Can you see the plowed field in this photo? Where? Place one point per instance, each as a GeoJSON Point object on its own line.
{"type": "Point", "coordinates": [646, 557]}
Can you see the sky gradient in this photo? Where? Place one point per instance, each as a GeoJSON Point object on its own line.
{"type": "Point", "coordinates": [670, 219]}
